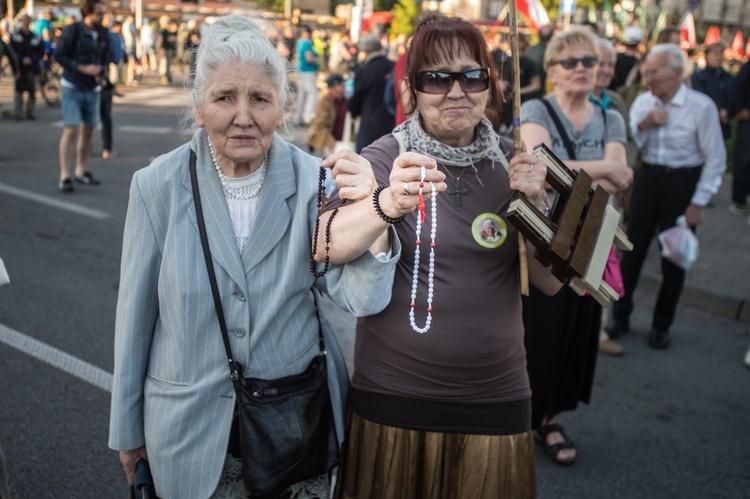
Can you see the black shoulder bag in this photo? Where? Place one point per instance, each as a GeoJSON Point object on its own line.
{"type": "Point", "coordinates": [286, 428]}
{"type": "Point", "coordinates": [560, 129]}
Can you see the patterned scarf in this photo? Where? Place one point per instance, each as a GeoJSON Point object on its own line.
{"type": "Point", "coordinates": [485, 146]}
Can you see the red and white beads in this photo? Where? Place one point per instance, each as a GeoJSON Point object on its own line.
{"type": "Point", "coordinates": [431, 272]}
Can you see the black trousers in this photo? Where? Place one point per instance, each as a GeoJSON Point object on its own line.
{"type": "Point", "coordinates": [659, 196]}
{"type": "Point", "coordinates": [105, 114]}
{"type": "Point", "coordinates": [741, 172]}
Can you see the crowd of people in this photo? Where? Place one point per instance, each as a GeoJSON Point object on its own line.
{"type": "Point", "coordinates": [437, 406]}
{"type": "Point", "coordinates": [43, 54]}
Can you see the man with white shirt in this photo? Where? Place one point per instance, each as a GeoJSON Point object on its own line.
{"type": "Point", "coordinates": [678, 133]}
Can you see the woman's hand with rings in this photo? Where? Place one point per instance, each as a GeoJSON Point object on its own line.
{"type": "Point", "coordinates": [352, 173]}
{"type": "Point", "coordinates": [402, 196]}
{"type": "Point", "coordinates": [527, 175]}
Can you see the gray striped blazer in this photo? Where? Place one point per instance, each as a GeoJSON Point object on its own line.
{"type": "Point", "coordinates": [171, 387]}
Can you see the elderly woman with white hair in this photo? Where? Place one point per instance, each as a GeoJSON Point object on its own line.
{"type": "Point", "coordinates": [173, 402]}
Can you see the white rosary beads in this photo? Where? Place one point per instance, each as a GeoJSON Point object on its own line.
{"type": "Point", "coordinates": [431, 272]}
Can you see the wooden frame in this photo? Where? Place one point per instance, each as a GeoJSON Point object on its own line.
{"type": "Point", "coordinates": [577, 235]}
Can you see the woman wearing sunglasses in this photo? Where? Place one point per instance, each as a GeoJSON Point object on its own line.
{"type": "Point", "coordinates": [562, 332]}
{"type": "Point", "coordinates": [440, 402]}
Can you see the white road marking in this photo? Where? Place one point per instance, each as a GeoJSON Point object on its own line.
{"type": "Point", "coordinates": [54, 202]}
{"type": "Point", "coordinates": [57, 358]}
{"type": "Point", "coordinates": [164, 96]}
{"type": "Point", "coordinates": [149, 130]}
{"type": "Point", "coordinates": [145, 129]}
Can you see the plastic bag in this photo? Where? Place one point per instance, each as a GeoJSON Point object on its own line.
{"type": "Point", "coordinates": [679, 245]}
{"type": "Point", "coordinates": [4, 279]}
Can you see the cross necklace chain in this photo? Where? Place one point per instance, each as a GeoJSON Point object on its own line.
{"type": "Point", "coordinates": [458, 190]}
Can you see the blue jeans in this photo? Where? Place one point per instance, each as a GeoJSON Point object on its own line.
{"type": "Point", "coordinates": [80, 106]}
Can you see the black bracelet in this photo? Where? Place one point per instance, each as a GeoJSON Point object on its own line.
{"type": "Point", "coordinates": [379, 210]}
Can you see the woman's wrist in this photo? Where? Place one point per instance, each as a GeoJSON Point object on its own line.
{"type": "Point", "coordinates": [385, 216]}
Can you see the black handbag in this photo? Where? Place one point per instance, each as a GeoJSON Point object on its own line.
{"type": "Point", "coordinates": [286, 426]}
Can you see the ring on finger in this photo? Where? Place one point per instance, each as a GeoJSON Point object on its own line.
{"type": "Point", "coordinates": [406, 189]}
{"type": "Point", "coordinates": [531, 167]}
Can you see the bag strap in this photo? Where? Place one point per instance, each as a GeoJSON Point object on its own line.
{"type": "Point", "coordinates": [560, 129]}
{"type": "Point", "coordinates": [235, 367]}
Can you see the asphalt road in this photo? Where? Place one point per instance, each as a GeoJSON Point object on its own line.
{"type": "Point", "coordinates": [661, 424]}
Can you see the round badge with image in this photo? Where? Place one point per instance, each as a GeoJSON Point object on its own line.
{"type": "Point", "coordinates": [489, 230]}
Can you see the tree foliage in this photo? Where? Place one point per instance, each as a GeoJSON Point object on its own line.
{"type": "Point", "coordinates": [405, 14]}
{"type": "Point", "coordinates": [271, 5]}
{"type": "Point", "coordinates": [384, 5]}
{"type": "Point", "coordinates": [553, 6]}
{"type": "Point", "coordinates": [377, 5]}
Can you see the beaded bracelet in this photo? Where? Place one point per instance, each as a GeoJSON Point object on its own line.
{"type": "Point", "coordinates": [379, 210]}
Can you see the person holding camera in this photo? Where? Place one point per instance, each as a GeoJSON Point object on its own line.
{"type": "Point", "coordinates": [83, 52]}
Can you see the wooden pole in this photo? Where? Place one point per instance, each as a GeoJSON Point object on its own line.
{"type": "Point", "coordinates": [10, 15]}
{"type": "Point", "coordinates": [523, 259]}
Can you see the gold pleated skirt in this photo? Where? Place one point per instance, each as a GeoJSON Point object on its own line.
{"type": "Point", "coordinates": [385, 462]}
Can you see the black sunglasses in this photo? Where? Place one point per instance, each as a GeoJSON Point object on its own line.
{"type": "Point", "coordinates": [440, 82]}
{"type": "Point", "coordinates": [571, 63]}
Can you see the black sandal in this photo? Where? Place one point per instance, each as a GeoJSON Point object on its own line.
{"type": "Point", "coordinates": [552, 450]}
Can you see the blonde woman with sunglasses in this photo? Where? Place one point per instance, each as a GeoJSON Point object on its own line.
{"type": "Point", "coordinates": [562, 332]}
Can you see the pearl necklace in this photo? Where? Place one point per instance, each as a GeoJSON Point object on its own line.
{"type": "Point", "coordinates": [431, 272]}
{"type": "Point", "coordinates": [254, 188]}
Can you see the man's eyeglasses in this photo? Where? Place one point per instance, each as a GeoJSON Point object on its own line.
{"type": "Point", "coordinates": [441, 82]}
{"type": "Point", "coordinates": [655, 73]}
{"type": "Point", "coordinates": [571, 63]}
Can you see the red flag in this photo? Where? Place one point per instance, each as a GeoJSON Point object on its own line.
{"type": "Point", "coordinates": [687, 31]}
{"type": "Point", "coordinates": [533, 13]}
{"type": "Point", "coordinates": [712, 36]}
{"type": "Point", "coordinates": [738, 45]}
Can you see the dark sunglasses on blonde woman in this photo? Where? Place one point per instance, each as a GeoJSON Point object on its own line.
{"type": "Point", "coordinates": [440, 82]}
{"type": "Point", "coordinates": [571, 63]}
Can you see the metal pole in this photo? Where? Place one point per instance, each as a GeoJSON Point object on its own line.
{"type": "Point", "coordinates": [357, 24]}
{"type": "Point", "coordinates": [138, 17]}
{"type": "Point", "coordinates": [523, 261]}
{"type": "Point", "coordinates": [138, 23]}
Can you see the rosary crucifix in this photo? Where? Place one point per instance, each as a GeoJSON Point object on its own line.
{"type": "Point", "coordinates": [458, 191]}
